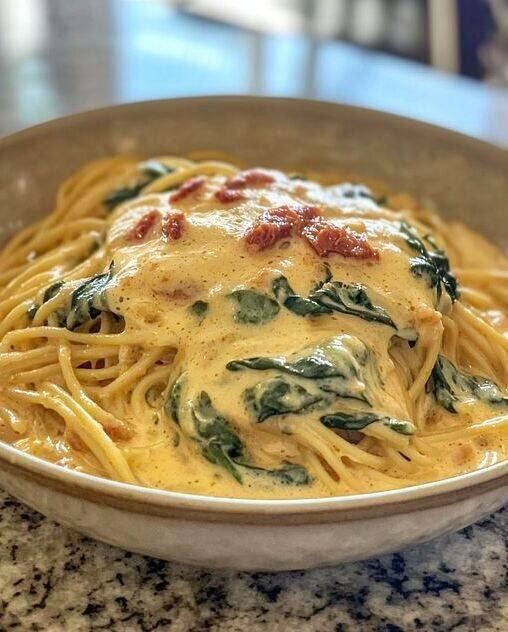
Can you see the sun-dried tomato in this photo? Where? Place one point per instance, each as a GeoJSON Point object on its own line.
{"type": "Point", "coordinates": [249, 177]}
{"type": "Point", "coordinates": [173, 225]}
{"type": "Point", "coordinates": [188, 187]}
{"type": "Point", "coordinates": [328, 239]}
{"type": "Point", "coordinates": [143, 226]}
{"type": "Point", "coordinates": [226, 196]}
{"type": "Point", "coordinates": [307, 222]}
{"type": "Point", "coordinates": [279, 223]}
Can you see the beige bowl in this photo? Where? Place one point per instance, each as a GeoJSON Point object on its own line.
{"type": "Point", "coordinates": [466, 178]}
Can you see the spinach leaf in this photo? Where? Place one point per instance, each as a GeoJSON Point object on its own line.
{"type": "Point", "coordinates": [340, 367]}
{"type": "Point", "coordinates": [251, 307]}
{"type": "Point", "coordinates": [327, 277]}
{"type": "Point", "coordinates": [52, 291]}
{"type": "Point", "coordinates": [360, 420]}
{"type": "Point", "coordinates": [118, 196]}
{"type": "Point", "coordinates": [350, 191]}
{"type": "Point", "coordinates": [328, 360]}
{"type": "Point", "coordinates": [335, 296]}
{"type": "Point", "coordinates": [173, 400]}
{"type": "Point", "coordinates": [288, 474]}
{"type": "Point", "coordinates": [451, 387]}
{"type": "Point", "coordinates": [278, 397]}
{"type": "Point", "coordinates": [156, 169]}
{"type": "Point", "coordinates": [199, 309]}
{"type": "Point", "coordinates": [351, 299]}
{"type": "Point", "coordinates": [431, 265]}
{"type": "Point", "coordinates": [300, 306]}
{"type": "Point", "coordinates": [32, 311]}
{"type": "Point", "coordinates": [88, 300]}
{"type": "Point", "coordinates": [222, 446]}
{"type": "Point", "coordinates": [49, 293]}
{"type": "Point", "coordinates": [151, 169]}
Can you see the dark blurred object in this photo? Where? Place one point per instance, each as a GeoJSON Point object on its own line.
{"type": "Point", "coordinates": [476, 25]}
{"type": "Point", "coordinates": [394, 26]}
{"type": "Point", "coordinates": [494, 54]}
{"type": "Point", "coordinates": [454, 35]}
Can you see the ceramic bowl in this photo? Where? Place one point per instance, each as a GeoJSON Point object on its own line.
{"type": "Point", "coordinates": [466, 178]}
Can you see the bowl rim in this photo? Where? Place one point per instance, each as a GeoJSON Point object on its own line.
{"type": "Point", "coordinates": [275, 511]}
{"type": "Point", "coordinates": [68, 120]}
{"type": "Point", "coordinates": [159, 502]}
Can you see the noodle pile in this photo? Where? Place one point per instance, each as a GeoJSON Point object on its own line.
{"type": "Point", "coordinates": [89, 382]}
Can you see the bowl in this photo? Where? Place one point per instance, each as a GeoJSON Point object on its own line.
{"type": "Point", "coordinates": [466, 178]}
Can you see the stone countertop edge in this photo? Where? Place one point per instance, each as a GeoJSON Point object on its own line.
{"type": "Point", "coordinates": [52, 578]}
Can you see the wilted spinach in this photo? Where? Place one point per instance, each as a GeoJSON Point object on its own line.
{"type": "Point", "coordinates": [335, 296]}
{"type": "Point", "coordinates": [351, 299]}
{"type": "Point", "coordinates": [299, 305]}
{"type": "Point", "coordinates": [340, 367]}
{"type": "Point", "coordinates": [173, 400]}
{"type": "Point", "coordinates": [199, 309]}
{"type": "Point", "coordinates": [341, 356]}
{"type": "Point", "coordinates": [49, 293]}
{"type": "Point", "coordinates": [350, 191]}
{"type": "Point", "coordinates": [222, 446]}
{"type": "Point", "coordinates": [278, 397]}
{"type": "Point", "coordinates": [360, 420]}
{"type": "Point", "coordinates": [451, 387]}
{"type": "Point", "coordinates": [287, 474]}
{"type": "Point", "coordinates": [151, 170]}
{"type": "Point", "coordinates": [252, 307]}
{"type": "Point", "coordinates": [431, 265]}
{"type": "Point", "coordinates": [88, 300]}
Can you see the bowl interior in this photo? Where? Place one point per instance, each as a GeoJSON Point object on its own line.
{"type": "Point", "coordinates": [465, 178]}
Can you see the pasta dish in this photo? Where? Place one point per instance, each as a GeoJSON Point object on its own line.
{"type": "Point", "coordinates": [193, 326]}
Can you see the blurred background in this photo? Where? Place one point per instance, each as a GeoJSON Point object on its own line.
{"type": "Point", "coordinates": [443, 61]}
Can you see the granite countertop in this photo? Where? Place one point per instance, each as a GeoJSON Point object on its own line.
{"type": "Point", "coordinates": [51, 578]}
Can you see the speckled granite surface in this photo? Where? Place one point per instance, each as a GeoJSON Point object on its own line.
{"type": "Point", "coordinates": [53, 579]}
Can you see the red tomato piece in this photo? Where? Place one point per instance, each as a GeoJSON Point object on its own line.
{"type": "Point", "coordinates": [173, 225]}
{"type": "Point", "coordinates": [279, 223]}
{"type": "Point", "coordinates": [226, 196]}
{"type": "Point", "coordinates": [265, 234]}
{"type": "Point", "coordinates": [307, 222]}
{"type": "Point", "coordinates": [249, 177]}
{"type": "Point", "coordinates": [188, 187]}
{"type": "Point", "coordinates": [328, 239]}
{"type": "Point", "coordinates": [143, 226]}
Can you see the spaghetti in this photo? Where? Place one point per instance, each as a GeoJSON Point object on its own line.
{"type": "Point", "coordinates": [191, 326]}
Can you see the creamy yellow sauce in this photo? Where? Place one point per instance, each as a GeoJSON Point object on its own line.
{"type": "Point", "coordinates": [175, 303]}
{"type": "Point", "coordinates": [157, 282]}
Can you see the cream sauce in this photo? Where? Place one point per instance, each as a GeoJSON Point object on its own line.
{"type": "Point", "coordinates": [156, 281]}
